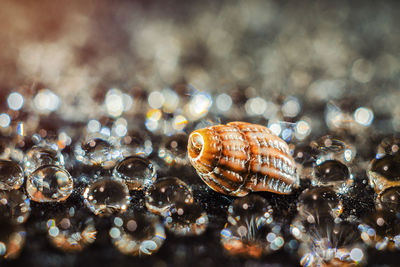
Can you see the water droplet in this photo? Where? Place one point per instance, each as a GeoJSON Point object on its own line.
{"type": "Point", "coordinates": [97, 151]}
{"type": "Point", "coordinates": [388, 146]}
{"type": "Point", "coordinates": [381, 229]}
{"type": "Point", "coordinates": [136, 172]}
{"type": "Point", "coordinates": [331, 148]}
{"type": "Point", "coordinates": [11, 175]}
{"type": "Point", "coordinates": [319, 201]}
{"type": "Point", "coordinates": [390, 199]}
{"type": "Point", "coordinates": [333, 173]}
{"type": "Point", "coordinates": [16, 205]}
{"type": "Point", "coordinates": [49, 184]}
{"type": "Point", "coordinates": [165, 193]}
{"type": "Point", "coordinates": [250, 230]}
{"type": "Point", "coordinates": [39, 156]}
{"type": "Point", "coordinates": [106, 196]}
{"type": "Point", "coordinates": [137, 233]}
{"type": "Point", "coordinates": [173, 149]}
{"type": "Point", "coordinates": [71, 230]}
{"type": "Point", "coordinates": [136, 142]}
{"type": "Point", "coordinates": [186, 219]}
{"type": "Point", "coordinates": [304, 154]}
{"type": "Point", "coordinates": [384, 172]}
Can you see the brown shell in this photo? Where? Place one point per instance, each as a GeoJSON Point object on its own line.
{"type": "Point", "coordinates": [240, 157]}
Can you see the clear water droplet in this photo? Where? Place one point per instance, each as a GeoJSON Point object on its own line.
{"type": "Point", "coordinates": [136, 172]}
{"type": "Point", "coordinates": [11, 175]}
{"type": "Point", "coordinates": [39, 156]}
{"type": "Point", "coordinates": [97, 151]}
{"type": "Point", "coordinates": [49, 184]}
{"type": "Point", "coordinates": [186, 219]}
{"type": "Point", "coordinates": [106, 196]}
{"type": "Point", "coordinates": [173, 149]}
{"type": "Point", "coordinates": [71, 230]}
{"type": "Point", "coordinates": [384, 172]}
{"type": "Point", "coordinates": [333, 173]}
{"type": "Point", "coordinates": [137, 233]}
{"type": "Point", "coordinates": [390, 199]}
{"type": "Point", "coordinates": [165, 193]}
{"type": "Point", "coordinates": [319, 201]}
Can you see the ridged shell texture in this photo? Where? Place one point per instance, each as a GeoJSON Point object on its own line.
{"type": "Point", "coordinates": [240, 157]}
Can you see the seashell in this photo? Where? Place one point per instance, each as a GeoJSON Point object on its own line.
{"type": "Point", "coordinates": [240, 157]}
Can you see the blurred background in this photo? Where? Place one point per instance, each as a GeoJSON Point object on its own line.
{"type": "Point", "coordinates": [304, 69]}
{"type": "Point", "coordinates": [316, 51]}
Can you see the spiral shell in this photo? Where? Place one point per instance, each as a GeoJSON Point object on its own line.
{"type": "Point", "coordinates": [240, 157]}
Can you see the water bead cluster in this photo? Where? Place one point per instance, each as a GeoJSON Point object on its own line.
{"type": "Point", "coordinates": [134, 232]}
{"type": "Point", "coordinates": [122, 173]}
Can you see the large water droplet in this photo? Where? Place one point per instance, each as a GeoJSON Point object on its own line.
{"type": "Point", "coordinates": [319, 201]}
{"type": "Point", "coordinates": [97, 151]}
{"type": "Point", "coordinates": [49, 184]}
{"type": "Point", "coordinates": [390, 199]}
{"type": "Point", "coordinates": [384, 172]}
{"type": "Point", "coordinates": [165, 193]}
{"type": "Point", "coordinates": [106, 196]}
{"type": "Point", "coordinates": [333, 173]}
{"type": "Point", "coordinates": [136, 172]}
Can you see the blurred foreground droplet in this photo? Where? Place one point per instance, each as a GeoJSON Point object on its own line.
{"type": "Point", "coordinates": [71, 230]}
{"type": "Point", "coordinates": [137, 233]}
